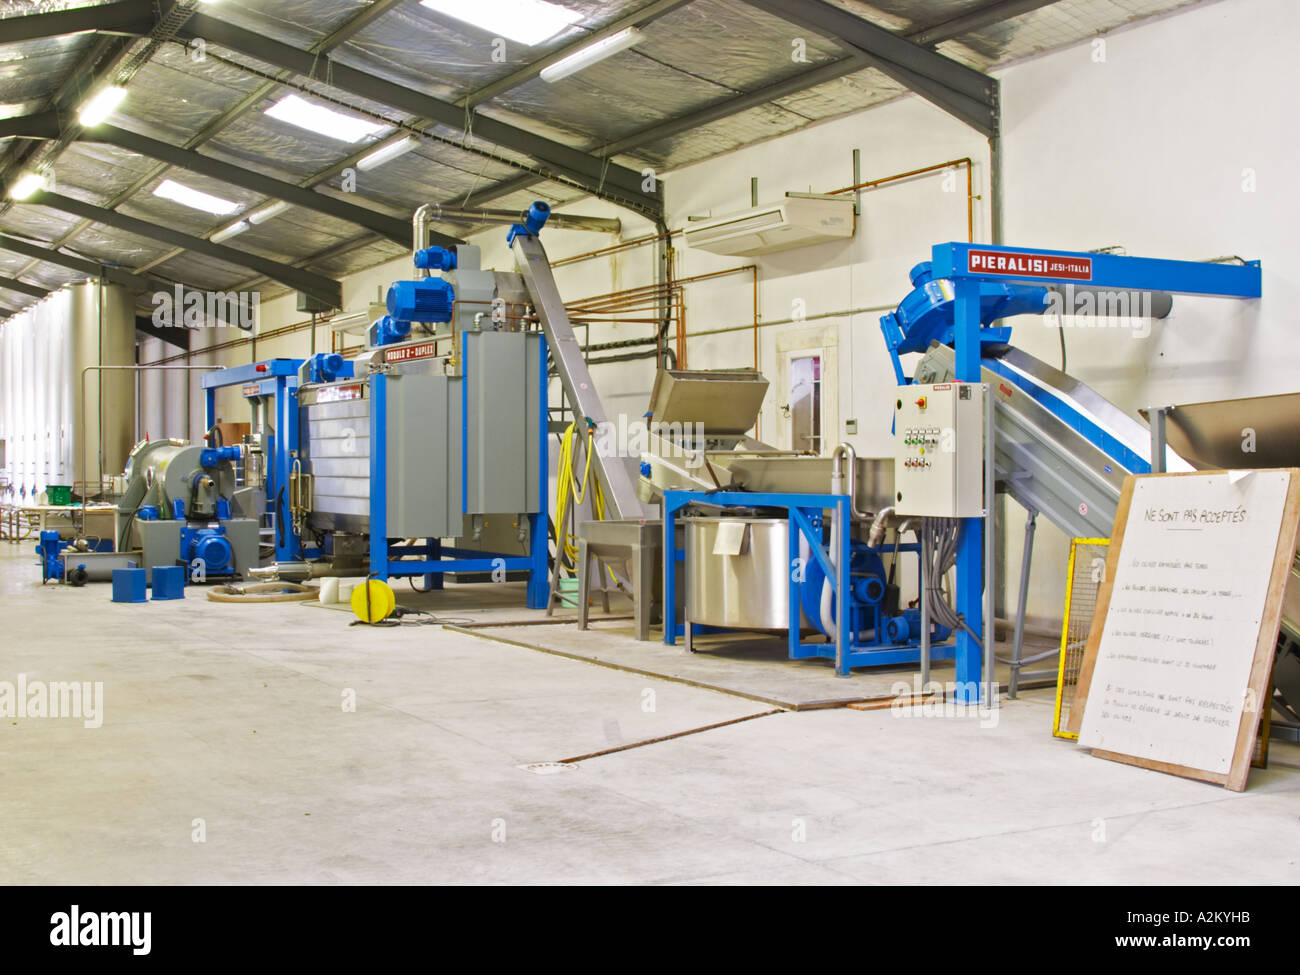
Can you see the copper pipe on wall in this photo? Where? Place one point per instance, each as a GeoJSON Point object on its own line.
{"type": "Point", "coordinates": [950, 164]}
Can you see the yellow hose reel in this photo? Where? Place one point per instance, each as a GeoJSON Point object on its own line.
{"type": "Point", "coordinates": [374, 601]}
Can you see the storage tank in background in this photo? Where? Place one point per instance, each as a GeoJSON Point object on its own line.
{"type": "Point", "coordinates": [52, 436]}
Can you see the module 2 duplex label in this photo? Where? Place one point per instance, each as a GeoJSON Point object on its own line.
{"type": "Point", "coordinates": [337, 394]}
{"type": "Point", "coordinates": [1026, 265]}
{"type": "Point", "coordinates": [421, 351]}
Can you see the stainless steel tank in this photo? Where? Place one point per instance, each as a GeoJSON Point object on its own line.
{"type": "Point", "coordinates": [738, 572]}
{"type": "Point", "coordinates": [103, 334]}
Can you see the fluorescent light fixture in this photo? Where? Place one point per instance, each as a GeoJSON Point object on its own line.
{"type": "Point", "coordinates": [225, 233]}
{"type": "Point", "coordinates": [389, 152]}
{"type": "Point", "coordinates": [26, 185]}
{"type": "Point", "coordinates": [101, 105]}
{"type": "Point", "coordinates": [526, 21]}
{"type": "Point", "coordinates": [262, 214]}
{"type": "Point", "coordinates": [592, 53]}
{"type": "Point", "coordinates": [321, 120]}
{"type": "Point", "coordinates": [169, 189]}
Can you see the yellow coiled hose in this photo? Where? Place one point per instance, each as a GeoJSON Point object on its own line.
{"type": "Point", "coordinates": [569, 491]}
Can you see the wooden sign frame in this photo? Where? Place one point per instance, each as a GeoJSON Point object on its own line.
{"type": "Point", "coordinates": [1261, 666]}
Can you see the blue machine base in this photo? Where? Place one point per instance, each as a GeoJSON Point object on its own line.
{"type": "Point", "coordinates": [435, 564]}
{"type": "Point", "coordinates": [859, 654]}
{"type": "Point", "coordinates": [872, 656]}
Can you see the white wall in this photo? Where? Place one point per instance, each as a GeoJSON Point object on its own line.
{"type": "Point", "coordinates": [1146, 149]}
{"type": "Point", "coordinates": [1149, 149]}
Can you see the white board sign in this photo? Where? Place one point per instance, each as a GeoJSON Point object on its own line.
{"type": "Point", "coordinates": [1173, 667]}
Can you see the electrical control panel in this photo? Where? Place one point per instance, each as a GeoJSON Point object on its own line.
{"type": "Point", "coordinates": [939, 450]}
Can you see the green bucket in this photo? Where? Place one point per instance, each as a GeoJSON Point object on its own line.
{"type": "Point", "coordinates": [59, 494]}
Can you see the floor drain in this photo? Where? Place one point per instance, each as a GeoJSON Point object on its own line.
{"type": "Point", "coordinates": [547, 768]}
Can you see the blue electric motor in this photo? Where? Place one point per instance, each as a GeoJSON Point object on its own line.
{"type": "Point", "coordinates": [210, 545]}
{"type": "Point", "coordinates": [535, 218]}
{"type": "Point", "coordinates": [421, 300]}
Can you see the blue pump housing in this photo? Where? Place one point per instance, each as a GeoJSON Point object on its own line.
{"type": "Point", "coordinates": [421, 300]}
{"type": "Point", "coordinates": [871, 626]}
{"type": "Point", "coordinates": [49, 548]}
{"type": "Point", "coordinates": [927, 313]}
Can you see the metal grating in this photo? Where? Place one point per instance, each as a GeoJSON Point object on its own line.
{"type": "Point", "coordinates": [1087, 569]}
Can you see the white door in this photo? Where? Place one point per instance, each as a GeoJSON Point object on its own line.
{"type": "Point", "coordinates": [805, 400]}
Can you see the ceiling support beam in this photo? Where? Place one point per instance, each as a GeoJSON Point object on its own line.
{"type": "Point", "coordinates": [179, 337]}
{"type": "Point", "coordinates": [736, 104]}
{"type": "Point", "coordinates": [960, 91]}
{"type": "Point", "coordinates": [126, 17]}
{"type": "Point", "coordinates": [597, 176]}
{"type": "Point", "coordinates": [318, 286]}
{"type": "Point", "coordinates": [46, 125]}
{"type": "Point", "coordinates": [977, 19]}
{"type": "Point", "coordinates": [528, 72]}
{"type": "Point", "coordinates": [395, 229]}
{"type": "Point", "coordinates": [22, 287]}
{"type": "Point", "coordinates": [118, 275]}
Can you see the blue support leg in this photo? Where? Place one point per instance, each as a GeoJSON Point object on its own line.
{"type": "Point", "coordinates": [798, 572]}
{"type": "Point", "coordinates": [378, 477]}
{"type": "Point", "coordinates": [539, 586]}
{"type": "Point", "coordinates": [844, 618]}
{"type": "Point", "coordinates": [671, 503]}
{"type": "Point", "coordinates": [970, 539]}
{"type": "Point", "coordinates": [539, 582]}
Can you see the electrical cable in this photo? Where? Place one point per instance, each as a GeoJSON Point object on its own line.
{"type": "Point", "coordinates": [942, 541]}
{"type": "Point", "coordinates": [396, 618]}
{"type": "Point", "coordinates": [279, 515]}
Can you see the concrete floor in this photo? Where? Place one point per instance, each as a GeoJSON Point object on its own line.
{"type": "Point", "coordinates": [233, 716]}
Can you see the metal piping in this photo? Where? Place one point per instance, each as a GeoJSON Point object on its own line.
{"type": "Point", "coordinates": [837, 477]}
{"type": "Point", "coordinates": [877, 532]}
{"type": "Point", "coordinates": [100, 446]}
{"type": "Point", "coordinates": [568, 221]}
{"type": "Point", "coordinates": [420, 233]}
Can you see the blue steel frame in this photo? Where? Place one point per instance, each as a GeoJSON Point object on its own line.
{"type": "Point", "coordinates": [951, 261]}
{"type": "Point", "coordinates": [438, 560]}
{"type": "Point", "coordinates": [805, 512]}
{"type": "Point", "coordinates": [277, 378]}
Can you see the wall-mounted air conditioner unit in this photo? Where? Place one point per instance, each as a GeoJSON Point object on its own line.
{"type": "Point", "coordinates": [797, 221]}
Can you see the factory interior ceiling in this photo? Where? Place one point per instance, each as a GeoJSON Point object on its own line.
{"type": "Point", "coordinates": [472, 122]}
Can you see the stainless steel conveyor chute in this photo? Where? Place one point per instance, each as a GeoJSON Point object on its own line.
{"type": "Point", "coordinates": [1061, 450]}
